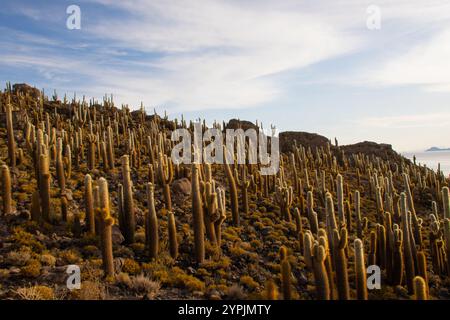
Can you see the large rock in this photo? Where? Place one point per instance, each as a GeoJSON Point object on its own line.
{"type": "Point", "coordinates": [24, 89]}
{"type": "Point", "coordinates": [305, 139]}
{"type": "Point", "coordinates": [240, 124]}
{"type": "Point", "coordinates": [381, 150]}
{"type": "Point", "coordinates": [182, 186]}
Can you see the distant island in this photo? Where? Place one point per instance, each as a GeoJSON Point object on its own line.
{"type": "Point", "coordinates": [432, 149]}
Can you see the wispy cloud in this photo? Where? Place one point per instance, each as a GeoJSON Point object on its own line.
{"type": "Point", "coordinates": [423, 120]}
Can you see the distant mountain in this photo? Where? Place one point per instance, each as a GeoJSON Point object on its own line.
{"type": "Point", "coordinates": [432, 149]}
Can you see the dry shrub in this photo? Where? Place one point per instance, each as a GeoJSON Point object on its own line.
{"type": "Point", "coordinates": [18, 258]}
{"type": "Point", "coordinates": [35, 293]}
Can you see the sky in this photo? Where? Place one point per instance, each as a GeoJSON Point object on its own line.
{"type": "Point", "coordinates": [352, 69]}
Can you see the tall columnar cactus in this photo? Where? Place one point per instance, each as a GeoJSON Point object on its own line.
{"type": "Point", "coordinates": [165, 177]}
{"type": "Point", "coordinates": [271, 292]}
{"type": "Point", "coordinates": [446, 228]}
{"type": "Point", "coordinates": [197, 216]}
{"type": "Point", "coordinates": [298, 225]}
{"type": "Point", "coordinates": [129, 223]}
{"type": "Point", "coordinates": [222, 213]}
{"type": "Point", "coordinates": [446, 202]}
{"type": "Point", "coordinates": [359, 222]}
{"type": "Point", "coordinates": [340, 199]}
{"type": "Point", "coordinates": [89, 205]}
{"type": "Point", "coordinates": [44, 188]}
{"type": "Point", "coordinates": [381, 246]}
{"type": "Point", "coordinates": [92, 139]}
{"type": "Point", "coordinates": [151, 224]}
{"type": "Point", "coordinates": [233, 195]}
{"type": "Point", "coordinates": [308, 242]}
{"type": "Point", "coordinates": [340, 241]}
{"type": "Point", "coordinates": [420, 289]}
{"type": "Point", "coordinates": [210, 207]}
{"type": "Point", "coordinates": [321, 276]}
{"type": "Point", "coordinates": [312, 214]}
{"type": "Point", "coordinates": [60, 166]}
{"type": "Point", "coordinates": [284, 197]}
{"type": "Point", "coordinates": [106, 222]}
{"type": "Point", "coordinates": [422, 267]}
{"type": "Point", "coordinates": [407, 250]}
{"type": "Point", "coordinates": [244, 184]}
{"type": "Point", "coordinates": [36, 207]}
{"type": "Point", "coordinates": [408, 192]}
{"type": "Point", "coordinates": [398, 266]}
{"type": "Point", "coordinates": [360, 271]}
{"type": "Point", "coordinates": [285, 268]}
{"type": "Point", "coordinates": [6, 190]}
{"type": "Point", "coordinates": [68, 161]}
{"type": "Point", "coordinates": [110, 147]}
{"type": "Point", "coordinates": [10, 133]}
{"type": "Point", "coordinates": [173, 242]}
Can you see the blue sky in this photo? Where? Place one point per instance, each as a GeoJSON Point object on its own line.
{"type": "Point", "coordinates": [300, 65]}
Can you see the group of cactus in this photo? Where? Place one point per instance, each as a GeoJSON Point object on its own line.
{"type": "Point", "coordinates": [334, 230]}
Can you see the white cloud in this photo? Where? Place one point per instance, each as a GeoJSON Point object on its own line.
{"type": "Point", "coordinates": [425, 120]}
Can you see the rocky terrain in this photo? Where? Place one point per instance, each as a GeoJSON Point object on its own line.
{"type": "Point", "coordinates": [90, 184]}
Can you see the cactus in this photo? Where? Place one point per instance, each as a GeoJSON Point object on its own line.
{"type": "Point", "coordinates": [106, 222]}
{"type": "Point", "coordinates": [92, 139]}
{"type": "Point", "coordinates": [243, 185]}
{"type": "Point", "coordinates": [151, 224]}
{"type": "Point", "coordinates": [36, 207]}
{"type": "Point", "coordinates": [197, 214]}
{"type": "Point", "coordinates": [173, 242]}
{"type": "Point", "coordinates": [165, 177]}
{"type": "Point", "coordinates": [89, 205]}
{"type": "Point", "coordinates": [210, 209]}
{"type": "Point", "coordinates": [308, 249]}
{"type": "Point", "coordinates": [321, 277]}
{"type": "Point", "coordinates": [286, 279]}
{"type": "Point", "coordinates": [64, 205]}
{"type": "Point", "coordinates": [284, 197]}
{"type": "Point", "coordinates": [407, 250]}
{"type": "Point", "coordinates": [340, 241]}
{"type": "Point", "coordinates": [312, 215]}
{"type": "Point", "coordinates": [233, 195]}
{"type": "Point", "coordinates": [398, 266]}
{"type": "Point", "coordinates": [340, 200]}
{"type": "Point", "coordinates": [60, 166]}
{"type": "Point", "coordinates": [129, 224]}
{"type": "Point", "coordinates": [44, 188]}
{"type": "Point", "coordinates": [360, 271]}
{"type": "Point", "coordinates": [6, 190]}
{"type": "Point", "coordinates": [446, 202]}
{"type": "Point", "coordinates": [271, 292]}
{"type": "Point", "coordinates": [222, 212]}
{"type": "Point", "coordinates": [420, 289]}
{"type": "Point", "coordinates": [422, 267]}
{"type": "Point", "coordinates": [10, 134]}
